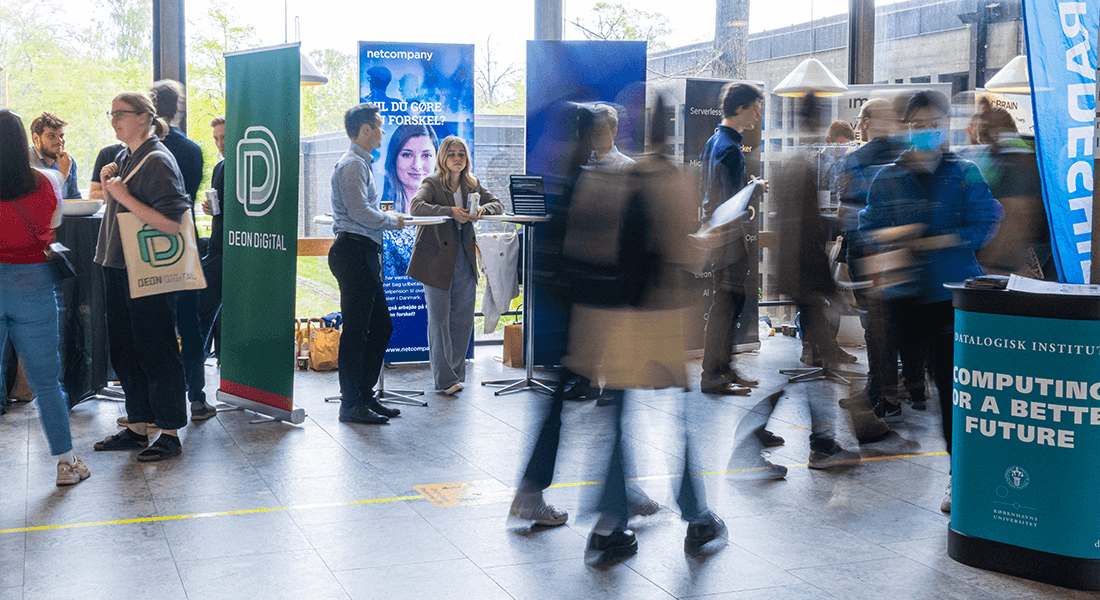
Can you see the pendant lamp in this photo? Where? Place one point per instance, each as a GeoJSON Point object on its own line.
{"type": "Point", "coordinates": [810, 76]}
{"type": "Point", "coordinates": [1012, 79]}
{"type": "Point", "coordinates": [310, 74]}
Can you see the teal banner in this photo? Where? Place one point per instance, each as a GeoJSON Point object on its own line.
{"type": "Point", "coordinates": [1026, 432]}
{"type": "Point", "coordinates": [261, 224]}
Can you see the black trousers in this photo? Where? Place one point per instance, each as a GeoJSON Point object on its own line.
{"type": "Point", "coordinates": [725, 310]}
{"type": "Point", "coordinates": [926, 336]}
{"type": "Point", "coordinates": [145, 355]}
{"type": "Point", "coordinates": [356, 262]}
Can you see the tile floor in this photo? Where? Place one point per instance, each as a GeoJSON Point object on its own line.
{"type": "Point", "coordinates": [325, 510]}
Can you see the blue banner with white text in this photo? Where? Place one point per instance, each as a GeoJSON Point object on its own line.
{"type": "Point", "coordinates": [426, 93]}
{"type": "Point", "coordinates": [560, 73]}
{"type": "Point", "coordinates": [1061, 43]}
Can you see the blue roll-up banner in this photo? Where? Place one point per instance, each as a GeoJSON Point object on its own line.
{"type": "Point", "coordinates": [426, 93]}
{"type": "Point", "coordinates": [1061, 44]}
{"type": "Point", "coordinates": [585, 72]}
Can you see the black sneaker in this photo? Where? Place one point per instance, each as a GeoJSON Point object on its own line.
{"type": "Point", "coordinates": [891, 413]}
{"type": "Point", "coordinates": [702, 531]}
{"type": "Point", "coordinates": [768, 439]}
{"type": "Point", "coordinates": [604, 550]}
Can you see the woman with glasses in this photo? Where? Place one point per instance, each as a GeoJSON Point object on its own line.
{"type": "Point", "coordinates": [143, 180]}
{"type": "Point", "coordinates": [444, 259]}
{"type": "Point", "coordinates": [29, 212]}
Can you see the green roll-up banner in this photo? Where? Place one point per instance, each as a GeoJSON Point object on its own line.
{"type": "Point", "coordinates": [261, 230]}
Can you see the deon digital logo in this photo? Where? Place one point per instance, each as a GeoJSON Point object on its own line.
{"type": "Point", "coordinates": [1017, 478]}
{"type": "Point", "coordinates": [258, 171]}
{"type": "Point", "coordinates": [171, 247]}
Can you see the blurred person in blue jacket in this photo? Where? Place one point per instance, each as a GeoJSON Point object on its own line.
{"type": "Point", "coordinates": [937, 207]}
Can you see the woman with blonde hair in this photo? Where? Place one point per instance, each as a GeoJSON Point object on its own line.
{"type": "Point", "coordinates": [444, 259]}
{"type": "Point", "coordinates": [145, 181]}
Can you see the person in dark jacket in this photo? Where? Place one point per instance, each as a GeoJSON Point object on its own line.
{"type": "Point", "coordinates": [723, 176]}
{"type": "Point", "coordinates": [947, 205]}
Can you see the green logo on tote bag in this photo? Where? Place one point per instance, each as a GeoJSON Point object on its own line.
{"type": "Point", "coordinates": [257, 171]}
{"type": "Point", "coordinates": [148, 241]}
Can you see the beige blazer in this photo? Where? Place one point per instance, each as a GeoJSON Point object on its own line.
{"type": "Point", "coordinates": [435, 249]}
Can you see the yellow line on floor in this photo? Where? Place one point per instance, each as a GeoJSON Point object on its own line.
{"type": "Point", "coordinates": [252, 511]}
{"type": "Point", "coordinates": [225, 513]}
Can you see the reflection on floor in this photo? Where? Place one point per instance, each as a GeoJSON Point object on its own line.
{"type": "Point", "coordinates": [416, 509]}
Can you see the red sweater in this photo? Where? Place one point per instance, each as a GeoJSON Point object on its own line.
{"type": "Point", "coordinates": [25, 230]}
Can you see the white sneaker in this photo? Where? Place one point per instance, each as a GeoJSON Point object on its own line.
{"type": "Point", "coordinates": [454, 389]}
{"type": "Point", "coordinates": [945, 506]}
{"type": "Point", "coordinates": [532, 507]}
{"type": "Point", "coordinates": [72, 473]}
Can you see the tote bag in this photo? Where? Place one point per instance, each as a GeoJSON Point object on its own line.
{"type": "Point", "coordinates": [158, 263]}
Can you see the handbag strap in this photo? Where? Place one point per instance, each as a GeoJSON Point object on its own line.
{"type": "Point", "coordinates": [142, 162]}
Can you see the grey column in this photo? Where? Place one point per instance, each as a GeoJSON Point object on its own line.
{"type": "Point", "coordinates": [861, 41]}
{"type": "Point", "coordinates": [548, 19]}
{"type": "Point", "coordinates": [170, 45]}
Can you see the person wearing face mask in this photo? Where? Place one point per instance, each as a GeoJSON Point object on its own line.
{"type": "Point", "coordinates": [444, 259]}
{"type": "Point", "coordinates": [946, 198]}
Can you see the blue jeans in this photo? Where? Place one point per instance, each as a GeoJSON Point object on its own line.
{"type": "Point", "coordinates": [28, 312]}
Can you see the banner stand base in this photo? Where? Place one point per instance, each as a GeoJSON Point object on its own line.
{"type": "Point", "coordinates": [294, 417]}
{"type": "Point", "coordinates": [1036, 565]}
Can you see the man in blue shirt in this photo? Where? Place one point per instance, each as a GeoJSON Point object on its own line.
{"type": "Point", "coordinates": [723, 176]}
{"type": "Point", "coordinates": [356, 261]}
{"type": "Point", "coordinates": [48, 151]}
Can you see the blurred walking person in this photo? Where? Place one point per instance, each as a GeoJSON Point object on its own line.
{"type": "Point", "coordinates": [937, 207]}
{"type": "Point", "coordinates": [29, 212]}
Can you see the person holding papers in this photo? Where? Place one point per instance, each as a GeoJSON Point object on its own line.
{"type": "Point", "coordinates": [723, 176]}
{"type": "Point", "coordinates": [444, 258]}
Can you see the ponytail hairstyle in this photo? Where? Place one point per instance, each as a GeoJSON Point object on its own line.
{"type": "Point", "coordinates": [142, 102]}
{"type": "Point", "coordinates": [465, 178]}
{"type": "Point", "coordinates": [169, 97]}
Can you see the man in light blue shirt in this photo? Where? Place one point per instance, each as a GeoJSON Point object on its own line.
{"type": "Point", "coordinates": [356, 261]}
{"type": "Point", "coordinates": [48, 151]}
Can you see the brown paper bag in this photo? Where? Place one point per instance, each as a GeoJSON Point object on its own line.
{"type": "Point", "coordinates": [324, 346]}
{"type": "Point", "coordinates": [513, 345]}
{"type": "Point", "coordinates": [21, 392]}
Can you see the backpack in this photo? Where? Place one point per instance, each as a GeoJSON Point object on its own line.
{"type": "Point", "coordinates": [603, 256]}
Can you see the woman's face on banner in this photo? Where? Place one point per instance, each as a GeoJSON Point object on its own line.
{"type": "Point", "coordinates": [415, 161]}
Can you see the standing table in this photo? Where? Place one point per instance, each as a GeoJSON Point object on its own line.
{"type": "Point", "coordinates": [528, 382]}
{"type": "Point", "coordinates": [84, 358]}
